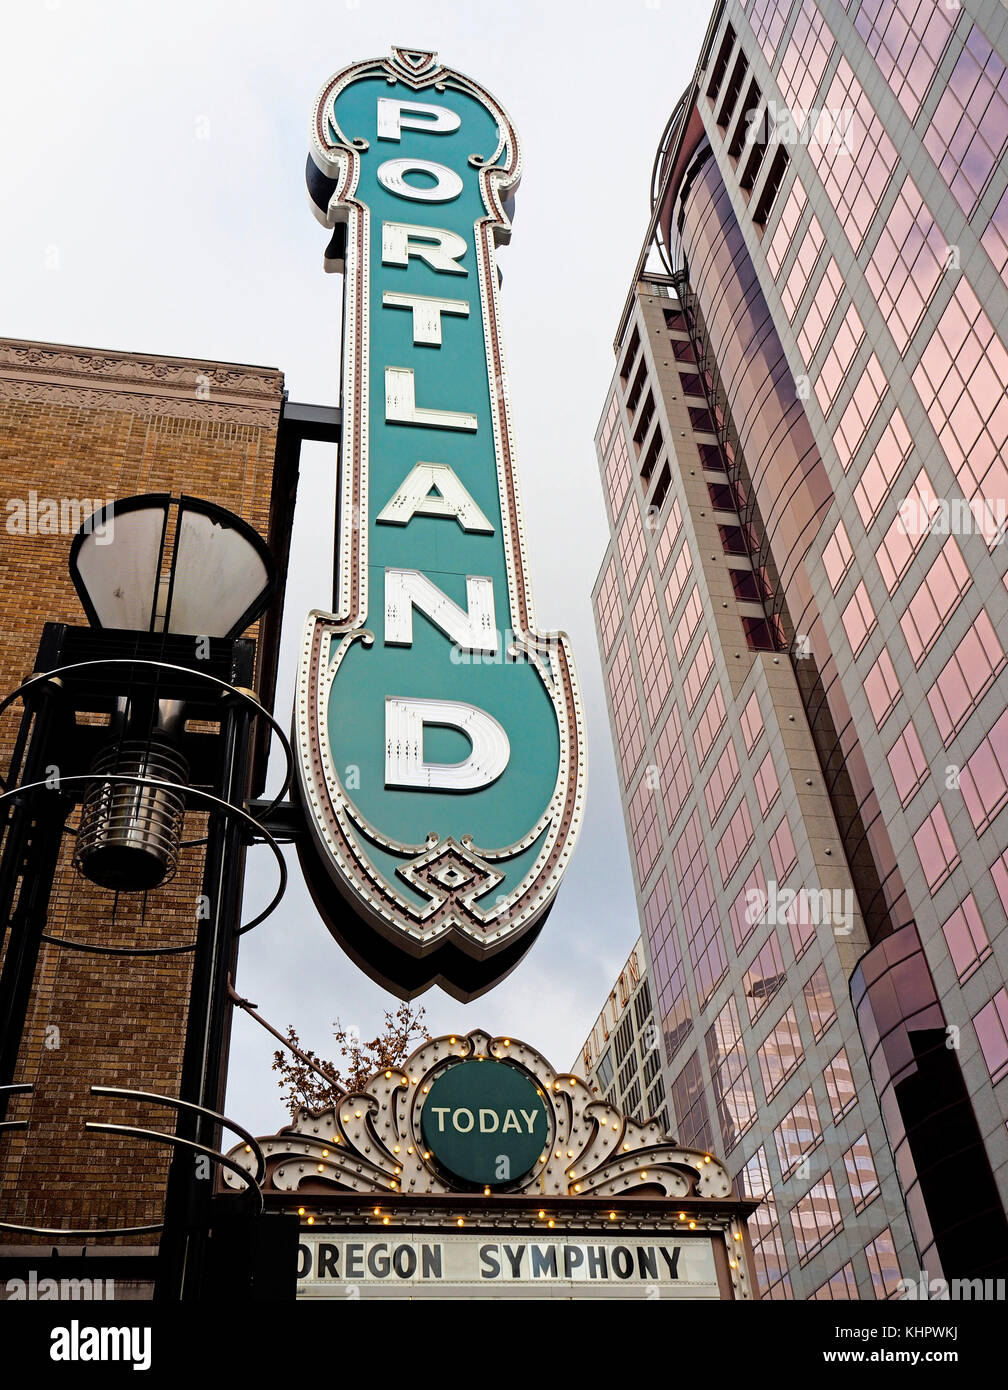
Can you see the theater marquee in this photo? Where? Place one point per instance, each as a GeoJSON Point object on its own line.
{"type": "Point", "coordinates": [440, 733]}
{"type": "Point", "coordinates": [475, 1170]}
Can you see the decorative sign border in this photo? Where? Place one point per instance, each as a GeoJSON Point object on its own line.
{"type": "Point", "coordinates": [451, 873]}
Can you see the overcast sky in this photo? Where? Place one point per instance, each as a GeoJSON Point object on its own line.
{"type": "Point", "coordinates": [152, 168]}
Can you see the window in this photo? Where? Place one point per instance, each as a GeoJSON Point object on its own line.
{"type": "Point", "coordinates": [882, 688]}
{"type": "Point", "coordinates": [907, 763]}
{"type": "Point", "coordinates": [961, 383]}
{"type": "Point", "coordinates": [609, 608]}
{"type": "Point", "coordinates": [656, 674]}
{"type": "Point", "coordinates": [667, 539]}
{"type": "Point", "coordinates": [617, 473]}
{"type": "Point", "coordinates": [721, 62]}
{"type": "Point", "coordinates": [604, 1070]}
{"type": "Point", "coordinates": [882, 468]}
{"type": "Point", "coordinates": [743, 913]}
{"type": "Point", "coordinates": [733, 1089]}
{"type": "Point", "coordinates": [692, 1117]}
{"type": "Point", "coordinates": [645, 833]}
{"type": "Point", "coordinates": [700, 910]}
{"type": "Point", "coordinates": [669, 972]}
{"type": "Point", "coordinates": [861, 1175]}
{"type": "Point", "coordinates": [837, 555]}
{"type": "Point", "coordinates": [839, 1286]}
{"type": "Point", "coordinates": [907, 264]}
{"type": "Point", "coordinates": [936, 849]}
{"type": "Point", "coordinates": [689, 622]}
{"type": "Point", "coordinates": [968, 675]}
{"type": "Point", "coordinates": [797, 283]}
{"type": "Point", "coordinates": [736, 838]}
{"type": "Point", "coordinates": [995, 237]}
{"type": "Point", "coordinates": [605, 433]}
{"type": "Point", "coordinates": [781, 1054]}
{"type": "Point", "coordinates": [855, 169]}
{"type": "Point", "coordinates": [798, 1134]}
{"type": "Point", "coordinates": [768, 1248]}
{"type": "Point", "coordinates": [774, 181]}
{"type": "Point", "coordinates": [764, 977]}
{"type": "Point", "coordinates": [969, 128]}
{"type": "Point", "coordinates": [883, 1265]}
{"type": "Point", "coordinates": [768, 18]}
{"type": "Point", "coordinates": [781, 240]}
{"type": "Point", "coordinates": [752, 722]}
{"type": "Point", "coordinates": [759, 635]}
{"type": "Point", "coordinates": [833, 373]}
{"type": "Point", "coordinates": [984, 780]}
{"type": "Point", "coordinates": [908, 532]}
{"type": "Point", "coordinates": [709, 725]}
{"type": "Point", "coordinates": [782, 850]}
{"type": "Point", "coordinates": [966, 938]}
{"type": "Point", "coordinates": [991, 1025]}
{"type": "Point", "coordinates": [868, 394]}
{"type": "Point", "coordinates": [632, 547]}
{"type": "Point", "coordinates": [839, 1085]}
{"type": "Point", "coordinates": [805, 58]}
{"type": "Point", "coordinates": [816, 1219]}
{"type": "Point", "coordinates": [859, 619]}
{"type": "Point", "coordinates": [999, 873]}
{"type": "Point", "coordinates": [767, 785]}
{"type": "Point", "coordinates": [681, 571]}
{"type": "Point", "coordinates": [696, 676]}
{"type": "Point", "coordinates": [626, 715]}
{"type": "Point", "coordinates": [906, 38]}
{"type": "Point", "coordinates": [820, 311]}
{"type": "Point", "coordinates": [721, 782]}
{"type": "Point", "coordinates": [674, 771]}
{"type": "Point", "coordinates": [935, 600]}
{"type": "Point", "coordinates": [819, 1002]}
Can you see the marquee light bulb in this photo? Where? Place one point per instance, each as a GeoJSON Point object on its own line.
{"type": "Point", "coordinates": [460, 1222]}
{"type": "Point", "coordinates": [542, 1216]}
{"type": "Point", "coordinates": [311, 1221]}
{"type": "Point", "coordinates": [377, 1211]}
{"type": "Point", "coordinates": [551, 1223]}
{"type": "Point", "coordinates": [612, 1216]}
{"type": "Point", "coordinates": [300, 1211]}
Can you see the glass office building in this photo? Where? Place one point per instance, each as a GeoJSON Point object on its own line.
{"type": "Point", "coordinates": [802, 616]}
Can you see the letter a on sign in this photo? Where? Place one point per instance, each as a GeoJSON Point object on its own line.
{"type": "Point", "coordinates": [462, 721]}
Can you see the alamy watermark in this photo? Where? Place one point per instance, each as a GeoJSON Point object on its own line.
{"type": "Point", "coordinates": [944, 516]}
{"type": "Point", "coordinates": [819, 125]}
{"type": "Point", "coordinates": [802, 906]}
{"type": "Point", "coordinates": [60, 516]}
{"type": "Point", "coordinates": [975, 1290]}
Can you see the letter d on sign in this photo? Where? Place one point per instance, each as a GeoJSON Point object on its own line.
{"type": "Point", "coordinates": [405, 766]}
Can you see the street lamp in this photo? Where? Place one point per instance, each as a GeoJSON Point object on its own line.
{"type": "Point", "coordinates": [156, 564]}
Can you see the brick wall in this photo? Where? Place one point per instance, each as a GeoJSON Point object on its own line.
{"type": "Point", "coordinates": [76, 424]}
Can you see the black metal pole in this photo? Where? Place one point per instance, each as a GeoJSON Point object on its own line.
{"type": "Point", "coordinates": [31, 850]}
{"type": "Point", "coordinates": [182, 1252]}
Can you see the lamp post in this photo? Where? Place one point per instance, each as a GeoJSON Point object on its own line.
{"type": "Point", "coordinates": [168, 585]}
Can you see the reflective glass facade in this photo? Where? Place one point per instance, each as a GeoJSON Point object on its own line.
{"type": "Point", "coordinates": [808, 432]}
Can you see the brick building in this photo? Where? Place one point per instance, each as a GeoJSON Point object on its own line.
{"type": "Point", "coordinates": [79, 427]}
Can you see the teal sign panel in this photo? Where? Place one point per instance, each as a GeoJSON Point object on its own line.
{"type": "Point", "coordinates": [439, 733]}
{"type": "Point", "coordinates": [486, 1122]}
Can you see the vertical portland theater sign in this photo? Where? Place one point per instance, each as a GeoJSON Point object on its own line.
{"type": "Point", "coordinates": [441, 745]}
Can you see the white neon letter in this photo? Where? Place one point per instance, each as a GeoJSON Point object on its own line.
{"type": "Point", "coordinates": [426, 314]}
{"type": "Point", "coordinates": [447, 184]}
{"type": "Point", "coordinates": [440, 248]}
{"type": "Point", "coordinates": [414, 497]}
{"type": "Point", "coordinates": [405, 721]}
{"type": "Point", "coordinates": [395, 116]}
{"type": "Point", "coordinates": [401, 407]}
{"type": "Point", "coordinates": [472, 630]}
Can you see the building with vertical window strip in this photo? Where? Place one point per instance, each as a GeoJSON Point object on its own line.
{"type": "Point", "coordinates": [801, 616]}
{"type": "Point", "coordinates": [621, 1057]}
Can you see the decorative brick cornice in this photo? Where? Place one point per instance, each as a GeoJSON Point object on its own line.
{"type": "Point", "coordinates": [138, 383]}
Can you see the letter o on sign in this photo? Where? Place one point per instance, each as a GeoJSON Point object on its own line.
{"type": "Point", "coordinates": [447, 184]}
{"type": "Point", "coordinates": [457, 1120]}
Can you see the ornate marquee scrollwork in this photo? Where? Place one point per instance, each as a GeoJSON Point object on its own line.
{"type": "Point", "coordinates": [372, 1142]}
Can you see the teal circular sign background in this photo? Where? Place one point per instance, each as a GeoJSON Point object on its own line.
{"type": "Point", "coordinates": [485, 1122]}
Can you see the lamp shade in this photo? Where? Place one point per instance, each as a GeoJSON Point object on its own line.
{"type": "Point", "coordinates": [209, 573]}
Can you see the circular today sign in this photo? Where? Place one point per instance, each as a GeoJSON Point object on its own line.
{"type": "Point", "coordinates": [485, 1122]}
